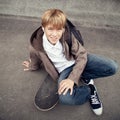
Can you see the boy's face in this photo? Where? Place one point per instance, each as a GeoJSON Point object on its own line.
{"type": "Point", "coordinates": [53, 34]}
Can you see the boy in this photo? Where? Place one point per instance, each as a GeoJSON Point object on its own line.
{"type": "Point", "coordinates": [50, 48]}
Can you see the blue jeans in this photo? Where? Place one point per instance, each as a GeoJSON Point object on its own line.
{"type": "Point", "coordinates": [96, 67]}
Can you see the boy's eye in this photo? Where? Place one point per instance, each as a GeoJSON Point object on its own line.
{"type": "Point", "coordinates": [59, 29]}
{"type": "Point", "coordinates": [50, 28]}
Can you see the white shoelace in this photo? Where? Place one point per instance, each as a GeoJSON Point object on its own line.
{"type": "Point", "coordinates": [94, 99]}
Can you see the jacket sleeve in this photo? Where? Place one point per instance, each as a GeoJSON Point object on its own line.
{"type": "Point", "coordinates": [80, 56]}
{"type": "Point", "coordinates": [35, 60]}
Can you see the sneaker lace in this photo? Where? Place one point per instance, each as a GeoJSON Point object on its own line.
{"type": "Point", "coordinates": [94, 98]}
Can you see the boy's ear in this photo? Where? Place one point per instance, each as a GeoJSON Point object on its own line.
{"type": "Point", "coordinates": [63, 30]}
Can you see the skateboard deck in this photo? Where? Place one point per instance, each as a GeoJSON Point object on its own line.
{"type": "Point", "coordinates": [47, 95]}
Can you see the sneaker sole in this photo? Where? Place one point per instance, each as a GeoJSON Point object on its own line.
{"type": "Point", "coordinates": [98, 114]}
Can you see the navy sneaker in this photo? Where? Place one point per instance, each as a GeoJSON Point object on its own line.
{"type": "Point", "coordinates": [95, 101]}
{"type": "Point", "coordinates": [87, 82]}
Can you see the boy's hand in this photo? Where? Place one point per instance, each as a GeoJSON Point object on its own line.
{"type": "Point", "coordinates": [66, 85]}
{"type": "Point", "coordinates": [26, 64]}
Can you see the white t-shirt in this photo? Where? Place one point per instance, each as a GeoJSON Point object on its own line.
{"type": "Point", "coordinates": [55, 53]}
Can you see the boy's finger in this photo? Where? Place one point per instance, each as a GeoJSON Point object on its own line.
{"type": "Point", "coordinates": [71, 91]}
{"type": "Point", "coordinates": [26, 69]}
{"type": "Point", "coordinates": [25, 64]}
{"type": "Point", "coordinates": [66, 90]}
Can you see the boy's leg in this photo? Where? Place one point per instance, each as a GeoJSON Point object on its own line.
{"type": "Point", "coordinates": [80, 94]}
{"type": "Point", "coordinates": [98, 66]}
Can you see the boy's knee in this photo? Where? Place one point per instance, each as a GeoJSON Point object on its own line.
{"type": "Point", "coordinates": [114, 67]}
{"type": "Point", "coordinates": [79, 96]}
{"type": "Point", "coordinates": [65, 99]}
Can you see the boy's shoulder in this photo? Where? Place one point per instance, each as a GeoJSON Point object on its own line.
{"type": "Point", "coordinates": [72, 30]}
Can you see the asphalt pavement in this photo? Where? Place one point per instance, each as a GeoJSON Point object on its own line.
{"type": "Point", "coordinates": [18, 88]}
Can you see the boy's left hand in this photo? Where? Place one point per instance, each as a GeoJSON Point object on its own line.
{"type": "Point", "coordinates": [66, 85]}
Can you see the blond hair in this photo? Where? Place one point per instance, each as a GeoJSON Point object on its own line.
{"type": "Point", "coordinates": [54, 17]}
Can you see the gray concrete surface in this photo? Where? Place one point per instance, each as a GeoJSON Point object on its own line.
{"type": "Point", "coordinates": [87, 12]}
{"type": "Point", "coordinates": [18, 88]}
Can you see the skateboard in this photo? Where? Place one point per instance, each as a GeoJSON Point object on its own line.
{"type": "Point", "coordinates": [47, 97]}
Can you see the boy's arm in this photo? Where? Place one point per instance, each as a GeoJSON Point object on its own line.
{"type": "Point", "coordinates": [35, 62]}
{"type": "Point", "coordinates": [80, 55]}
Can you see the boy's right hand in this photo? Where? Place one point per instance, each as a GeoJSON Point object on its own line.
{"type": "Point", "coordinates": [27, 65]}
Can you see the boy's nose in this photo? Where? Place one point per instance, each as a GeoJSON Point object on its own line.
{"type": "Point", "coordinates": [54, 33]}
